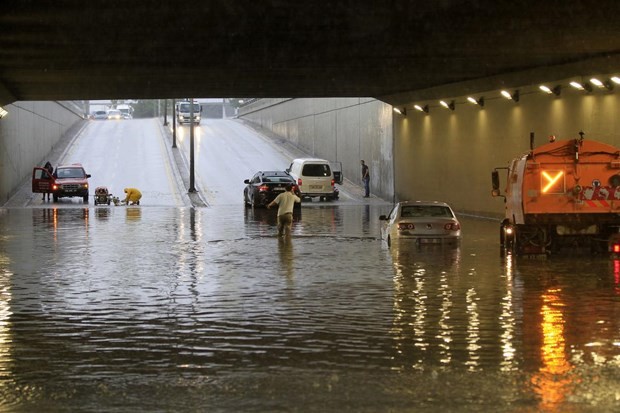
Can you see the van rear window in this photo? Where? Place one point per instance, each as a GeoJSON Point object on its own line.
{"type": "Point", "coordinates": [314, 169]}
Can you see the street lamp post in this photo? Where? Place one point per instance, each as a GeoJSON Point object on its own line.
{"type": "Point", "coordinates": [165, 112]}
{"type": "Point", "coordinates": [192, 188]}
{"type": "Point", "coordinates": [174, 124]}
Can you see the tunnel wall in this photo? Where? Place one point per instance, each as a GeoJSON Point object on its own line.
{"type": "Point", "coordinates": [28, 134]}
{"type": "Point", "coordinates": [346, 130]}
{"type": "Point", "coordinates": [449, 155]}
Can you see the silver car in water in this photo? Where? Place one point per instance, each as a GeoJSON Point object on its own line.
{"type": "Point", "coordinates": [425, 222]}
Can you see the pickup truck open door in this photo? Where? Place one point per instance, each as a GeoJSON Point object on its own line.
{"type": "Point", "coordinates": [42, 181]}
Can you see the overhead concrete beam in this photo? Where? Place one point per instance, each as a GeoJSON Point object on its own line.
{"type": "Point", "coordinates": [607, 64]}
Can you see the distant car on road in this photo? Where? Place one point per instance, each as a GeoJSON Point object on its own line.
{"type": "Point", "coordinates": [114, 114]}
{"type": "Point", "coordinates": [100, 115]}
{"type": "Point", "coordinates": [265, 186]}
{"type": "Point", "coordinates": [426, 222]}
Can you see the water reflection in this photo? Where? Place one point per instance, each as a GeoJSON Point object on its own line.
{"type": "Point", "coordinates": [103, 213]}
{"type": "Point", "coordinates": [287, 256]}
{"type": "Point", "coordinates": [508, 319]}
{"type": "Point", "coordinates": [473, 330]}
{"type": "Point", "coordinates": [424, 323]}
{"type": "Point", "coordinates": [66, 218]}
{"type": "Point", "coordinates": [62, 221]}
{"type": "Point", "coordinates": [616, 270]}
{"type": "Point", "coordinates": [6, 335]}
{"type": "Point", "coordinates": [366, 220]}
{"type": "Point", "coordinates": [552, 382]}
{"type": "Point", "coordinates": [133, 213]}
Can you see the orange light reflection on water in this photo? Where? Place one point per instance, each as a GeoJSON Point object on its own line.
{"type": "Point", "coordinates": [552, 381]}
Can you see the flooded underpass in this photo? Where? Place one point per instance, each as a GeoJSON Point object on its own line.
{"type": "Point", "coordinates": [182, 309]}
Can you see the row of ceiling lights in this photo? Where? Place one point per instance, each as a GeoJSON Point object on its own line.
{"type": "Point", "coordinates": [514, 96]}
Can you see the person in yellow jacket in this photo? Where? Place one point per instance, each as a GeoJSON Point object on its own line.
{"type": "Point", "coordinates": [133, 196]}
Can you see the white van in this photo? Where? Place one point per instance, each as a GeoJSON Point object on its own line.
{"type": "Point", "coordinates": [314, 178]}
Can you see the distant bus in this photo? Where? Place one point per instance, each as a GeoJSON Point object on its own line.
{"type": "Point", "coordinates": [181, 110]}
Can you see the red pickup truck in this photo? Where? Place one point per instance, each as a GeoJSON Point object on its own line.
{"type": "Point", "coordinates": [67, 181]}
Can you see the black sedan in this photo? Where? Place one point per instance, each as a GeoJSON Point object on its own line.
{"type": "Point", "coordinates": [265, 186]}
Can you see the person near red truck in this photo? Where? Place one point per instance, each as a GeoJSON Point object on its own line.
{"type": "Point", "coordinates": [50, 169]}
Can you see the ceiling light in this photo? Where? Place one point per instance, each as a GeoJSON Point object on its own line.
{"type": "Point", "coordinates": [577, 85]}
{"type": "Point", "coordinates": [616, 80]}
{"type": "Point", "coordinates": [585, 86]}
{"type": "Point", "coordinates": [421, 108]}
{"type": "Point", "coordinates": [447, 105]}
{"type": "Point", "coordinates": [475, 101]}
{"type": "Point", "coordinates": [514, 96]}
{"type": "Point", "coordinates": [3, 112]}
{"type": "Point", "coordinates": [596, 82]}
{"type": "Point", "coordinates": [602, 85]}
{"type": "Point", "coordinates": [556, 90]}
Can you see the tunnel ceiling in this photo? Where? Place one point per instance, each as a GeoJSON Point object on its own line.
{"type": "Point", "coordinates": [90, 49]}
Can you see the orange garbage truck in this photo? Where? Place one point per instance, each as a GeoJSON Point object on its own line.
{"type": "Point", "coordinates": [563, 196]}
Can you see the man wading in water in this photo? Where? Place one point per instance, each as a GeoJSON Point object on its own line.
{"type": "Point", "coordinates": [286, 202]}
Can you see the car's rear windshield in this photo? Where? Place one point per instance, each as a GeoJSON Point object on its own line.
{"type": "Point", "coordinates": [316, 169]}
{"type": "Point", "coordinates": [278, 179]}
{"type": "Point", "coordinates": [70, 173]}
{"type": "Point", "coordinates": [417, 211]}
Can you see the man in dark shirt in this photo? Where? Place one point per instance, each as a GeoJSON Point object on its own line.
{"type": "Point", "coordinates": [365, 179]}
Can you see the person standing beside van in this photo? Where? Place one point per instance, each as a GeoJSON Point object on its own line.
{"type": "Point", "coordinates": [365, 179]}
{"type": "Point", "coordinates": [286, 202]}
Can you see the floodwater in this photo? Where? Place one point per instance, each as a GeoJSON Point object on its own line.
{"type": "Point", "coordinates": [180, 309]}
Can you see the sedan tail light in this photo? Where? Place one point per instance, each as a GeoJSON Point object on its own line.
{"type": "Point", "coordinates": [299, 181]}
{"type": "Point", "coordinates": [452, 226]}
{"type": "Point", "coordinates": [263, 188]}
{"type": "Point", "coordinates": [404, 226]}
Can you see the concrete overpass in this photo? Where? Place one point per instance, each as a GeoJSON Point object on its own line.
{"type": "Point", "coordinates": [391, 50]}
